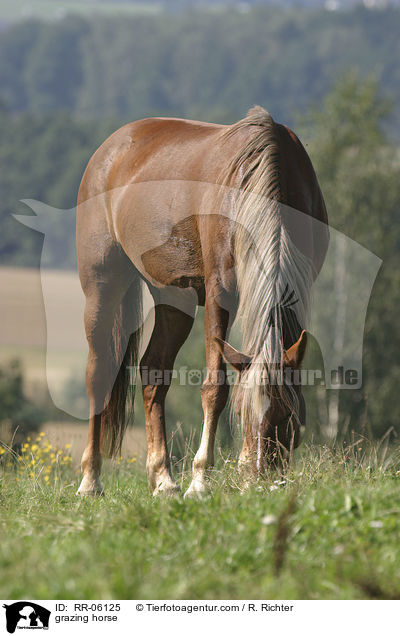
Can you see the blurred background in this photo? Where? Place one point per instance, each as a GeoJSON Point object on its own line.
{"type": "Point", "coordinates": [72, 72]}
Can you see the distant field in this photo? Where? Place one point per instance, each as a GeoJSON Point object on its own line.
{"type": "Point", "coordinates": [51, 10]}
{"type": "Point", "coordinates": [23, 332]}
{"type": "Point", "coordinates": [61, 433]}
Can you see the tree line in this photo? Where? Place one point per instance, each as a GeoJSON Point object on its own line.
{"type": "Point", "coordinates": [194, 64]}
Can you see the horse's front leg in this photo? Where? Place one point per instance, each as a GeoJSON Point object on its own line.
{"type": "Point", "coordinates": [171, 328]}
{"type": "Point", "coordinates": [214, 393]}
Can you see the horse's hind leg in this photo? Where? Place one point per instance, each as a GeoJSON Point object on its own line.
{"type": "Point", "coordinates": [171, 329]}
{"type": "Point", "coordinates": [105, 287]}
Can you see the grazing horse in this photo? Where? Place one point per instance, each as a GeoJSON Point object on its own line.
{"type": "Point", "coordinates": [229, 217]}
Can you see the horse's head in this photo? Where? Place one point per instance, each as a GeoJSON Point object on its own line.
{"type": "Point", "coordinates": [277, 409]}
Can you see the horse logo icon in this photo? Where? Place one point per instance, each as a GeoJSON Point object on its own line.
{"type": "Point", "coordinates": [26, 615]}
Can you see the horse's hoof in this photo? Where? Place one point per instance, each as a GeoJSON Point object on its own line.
{"type": "Point", "coordinates": [197, 490]}
{"type": "Point", "coordinates": [167, 490]}
{"type": "Point", "coordinates": [90, 493]}
{"type": "Point", "coordinates": [90, 488]}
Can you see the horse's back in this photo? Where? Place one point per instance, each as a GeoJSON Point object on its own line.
{"type": "Point", "coordinates": [152, 180]}
{"type": "Point", "coordinates": [150, 149]}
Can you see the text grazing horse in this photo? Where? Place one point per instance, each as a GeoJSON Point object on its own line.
{"type": "Point", "coordinates": [203, 214]}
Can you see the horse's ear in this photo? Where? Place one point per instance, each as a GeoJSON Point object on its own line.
{"type": "Point", "coordinates": [239, 361]}
{"type": "Point", "coordinates": [294, 356]}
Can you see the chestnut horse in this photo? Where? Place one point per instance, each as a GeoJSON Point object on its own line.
{"type": "Point", "coordinates": [203, 214]}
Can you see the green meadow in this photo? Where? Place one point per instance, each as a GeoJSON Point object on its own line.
{"type": "Point", "coordinates": [325, 528]}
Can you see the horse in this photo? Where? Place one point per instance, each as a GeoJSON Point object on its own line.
{"type": "Point", "coordinates": [229, 217]}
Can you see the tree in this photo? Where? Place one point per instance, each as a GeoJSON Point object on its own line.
{"type": "Point", "coordinates": [359, 172]}
{"type": "Point", "coordinates": [18, 415]}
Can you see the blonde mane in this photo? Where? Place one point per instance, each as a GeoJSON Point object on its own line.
{"type": "Point", "coordinates": [272, 273]}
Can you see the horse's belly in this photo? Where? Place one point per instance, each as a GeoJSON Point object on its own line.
{"type": "Point", "coordinates": [156, 226]}
{"type": "Point", "coordinates": [178, 260]}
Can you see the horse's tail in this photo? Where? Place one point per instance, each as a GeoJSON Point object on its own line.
{"type": "Point", "coordinates": [273, 276]}
{"type": "Point", "coordinates": [126, 336]}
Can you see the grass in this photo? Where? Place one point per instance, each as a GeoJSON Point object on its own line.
{"type": "Point", "coordinates": [326, 528]}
